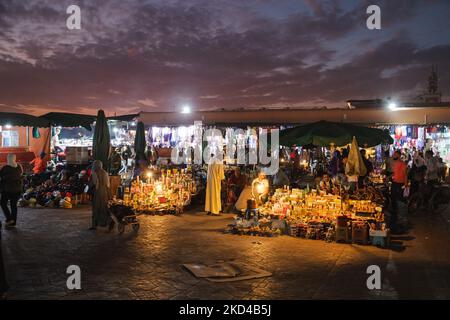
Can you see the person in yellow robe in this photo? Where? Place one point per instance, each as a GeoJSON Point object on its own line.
{"type": "Point", "coordinates": [213, 203]}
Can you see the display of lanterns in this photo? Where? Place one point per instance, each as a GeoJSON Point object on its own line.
{"type": "Point", "coordinates": [171, 191]}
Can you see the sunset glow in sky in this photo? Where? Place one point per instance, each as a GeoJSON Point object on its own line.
{"type": "Point", "coordinates": [133, 55]}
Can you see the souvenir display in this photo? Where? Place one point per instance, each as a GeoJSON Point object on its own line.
{"type": "Point", "coordinates": [65, 193]}
{"type": "Point", "coordinates": [312, 214]}
{"type": "Point", "coordinates": [168, 193]}
{"type": "Point", "coordinates": [377, 178]}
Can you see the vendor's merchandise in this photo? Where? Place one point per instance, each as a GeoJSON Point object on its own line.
{"type": "Point", "coordinates": [64, 193]}
{"type": "Point", "coordinates": [169, 193]}
{"type": "Point", "coordinates": [312, 214]}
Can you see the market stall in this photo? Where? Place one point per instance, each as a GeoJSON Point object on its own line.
{"type": "Point", "coordinates": [160, 192]}
{"type": "Point", "coordinates": [330, 210]}
{"type": "Point", "coordinates": [311, 214]}
{"type": "Point", "coordinates": [62, 190]}
{"type": "Point", "coordinates": [23, 135]}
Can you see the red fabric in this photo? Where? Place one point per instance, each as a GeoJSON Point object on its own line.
{"type": "Point", "coordinates": [39, 165]}
{"type": "Point", "coordinates": [399, 175]}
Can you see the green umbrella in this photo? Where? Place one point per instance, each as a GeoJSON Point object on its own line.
{"type": "Point", "coordinates": [72, 120]}
{"type": "Point", "coordinates": [101, 143]}
{"type": "Point", "coordinates": [22, 120]}
{"type": "Point", "coordinates": [325, 133]}
{"type": "Point", "coordinates": [139, 142]}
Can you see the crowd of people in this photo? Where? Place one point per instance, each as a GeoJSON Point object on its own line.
{"type": "Point", "coordinates": [409, 172]}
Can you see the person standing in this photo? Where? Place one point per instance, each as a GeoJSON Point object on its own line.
{"type": "Point", "coordinates": [417, 173]}
{"type": "Point", "coordinates": [432, 169]}
{"type": "Point", "coordinates": [11, 186]}
{"type": "Point", "coordinates": [335, 164]}
{"type": "Point", "coordinates": [399, 182]}
{"type": "Point", "coordinates": [101, 184]}
{"type": "Point", "coordinates": [213, 204]}
{"type": "Point", "coordinates": [369, 168]}
{"type": "Point", "coordinates": [296, 165]}
{"type": "Point", "coordinates": [115, 162]}
{"type": "Point", "coordinates": [388, 163]}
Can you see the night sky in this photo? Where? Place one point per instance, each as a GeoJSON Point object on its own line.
{"type": "Point", "coordinates": [133, 55]}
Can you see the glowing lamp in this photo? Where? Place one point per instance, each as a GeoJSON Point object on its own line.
{"type": "Point", "coordinates": [186, 109]}
{"type": "Point", "coordinates": [260, 188]}
{"type": "Point", "coordinates": [392, 106]}
{"type": "Point", "coordinates": [159, 188]}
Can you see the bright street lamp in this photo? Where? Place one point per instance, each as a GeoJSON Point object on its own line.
{"type": "Point", "coordinates": [392, 106]}
{"type": "Point", "coordinates": [186, 109]}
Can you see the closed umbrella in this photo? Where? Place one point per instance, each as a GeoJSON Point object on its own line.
{"type": "Point", "coordinates": [355, 164]}
{"type": "Point", "coordinates": [139, 142]}
{"type": "Point", "coordinates": [101, 142]}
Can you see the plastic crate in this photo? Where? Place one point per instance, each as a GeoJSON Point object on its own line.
{"type": "Point", "coordinates": [342, 234]}
{"type": "Point", "coordinates": [360, 233]}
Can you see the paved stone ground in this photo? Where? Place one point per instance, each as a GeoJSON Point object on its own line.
{"type": "Point", "coordinates": [147, 265]}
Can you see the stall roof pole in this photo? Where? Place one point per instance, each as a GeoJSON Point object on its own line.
{"type": "Point", "coordinates": [28, 136]}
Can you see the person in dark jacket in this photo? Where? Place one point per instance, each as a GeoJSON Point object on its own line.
{"type": "Point", "coordinates": [336, 164]}
{"type": "Point", "coordinates": [11, 186]}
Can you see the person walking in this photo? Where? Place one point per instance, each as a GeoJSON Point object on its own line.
{"type": "Point", "coordinates": [399, 182]}
{"type": "Point", "coordinates": [101, 184]}
{"type": "Point", "coordinates": [11, 186]}
{"type": "Point", "coordinates": [432, 164]}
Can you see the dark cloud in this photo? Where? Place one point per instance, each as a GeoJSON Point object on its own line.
{"type": "Point", "coordinates": [157, 55]}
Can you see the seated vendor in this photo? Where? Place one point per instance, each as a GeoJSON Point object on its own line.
{"type": "Point", "coordinates": [281, 179]}
{"type": "Point", "coordinates": [260, 188]}
{"type": "Point", "coordinates": [115, 162]}
{"type": "Point", "coordinates": [326, 184]}
{"type": "Point", "coordinates": [40, 165]}
{"type": "Point", "coordinates": [237, 181]}
{"type": "Point", "coordinates": [141, 169]}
